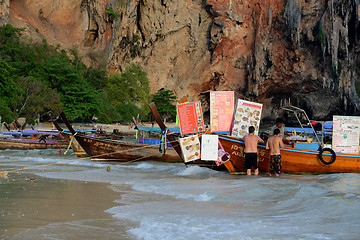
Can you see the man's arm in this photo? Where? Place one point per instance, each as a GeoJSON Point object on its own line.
{"type": "Point", "coordinates": [281, 143]}
{"type": "Point", "coordinates": [260, 140]}
{"type": "Point", "coordinates": [267, 144]}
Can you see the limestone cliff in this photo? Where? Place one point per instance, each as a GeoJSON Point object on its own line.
{"type": "Point", "coordinates": [268, 51]}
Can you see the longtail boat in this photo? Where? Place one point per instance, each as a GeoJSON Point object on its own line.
{"type": "Point", "coordinates": [74, 144]}
{"type": "Point", "coordinates": [293, 160]}
{"type": "Point", "coordinates": [23, 144]}
{"type": "Point", "coordinates": [298, 157]}
{"type": "Point", "coordinates": [29, 139]}
{"type": "Point", "coordinates": [100, 149]}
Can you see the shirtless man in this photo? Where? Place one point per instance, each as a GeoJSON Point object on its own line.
{"type": "Point", "coordinates": [251, 157]}
{"type": "Point", "coordinates": [274, 143]}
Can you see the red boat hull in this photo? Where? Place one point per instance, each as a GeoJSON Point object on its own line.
{"type": "Point", "coordinates": [293, 160]}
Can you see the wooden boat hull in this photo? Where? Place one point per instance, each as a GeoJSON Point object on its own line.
{"type": "Point", "coordinates": [235, 148]}
{"type": "Point", "coordinates": [99, 149]}
{"type": "Point", "coordinates": [75, 146]}
{"type": "Point", "coordinates": [106, 149]}
{"type": "Point", "coordinates": [23, 145]}
{"type": "Point", "coordinates": [293, 160]}
{"type": "Point", "coordinates": [307, 161]}
{"type": "Point", "coordinates": [123, 151]}
{"type": "Point", "coordinates": [78, 150]}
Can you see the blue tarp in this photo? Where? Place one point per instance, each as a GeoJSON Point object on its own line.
{"type": "Point", "coordinates": [328, 125]}
{"type": "Point", "coordinates": [327, 128]}
{"type": "Point", "coordinates": [307, 146]}
{"type": "Point", "coordinates": [157, 129]}
{"type": "Point", "coordinates": [298, 129]}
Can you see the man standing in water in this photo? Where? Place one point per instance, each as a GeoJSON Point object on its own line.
{"type": "Point", "coordinates": [274, 143]}
{"type": "Point", "coordinates": [251, 156]}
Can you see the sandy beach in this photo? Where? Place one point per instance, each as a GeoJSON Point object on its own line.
{"type": "Point", "coordinates": [30, 202]}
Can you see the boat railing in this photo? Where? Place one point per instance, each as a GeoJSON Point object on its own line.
{"type": "Point", "coordinates": [298, 112]}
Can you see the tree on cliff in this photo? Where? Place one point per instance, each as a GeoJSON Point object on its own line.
{"type": "Point", "coordinates": [33, 98]}
{"type": "Point", "coordinates": [45, 71]}
{"type": "Point", "coordinates": [127, 93]}
{"type": "Point", "coordinates": [7, 92]}
{"type": "Point", "coordinates": [164, 103]}
{"type": "Point", "coordinates": [38, 77]}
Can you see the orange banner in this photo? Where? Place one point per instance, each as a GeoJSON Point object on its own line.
{"type": "Point", "coordinates": [190, 117]}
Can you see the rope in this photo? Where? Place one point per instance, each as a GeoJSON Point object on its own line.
{"type": "Point", "coordinates": [44, 165]}
{"type": "Point", "coordinates": [60, 142]}
{"type": "Point", "coordinates": [2, 127]}
{"type": "Point", "coordinates": [71, 140]}
{"type": "Point", "coordinates": [163, 141]}
{"type": "Point", "coordinates": [122, 151]}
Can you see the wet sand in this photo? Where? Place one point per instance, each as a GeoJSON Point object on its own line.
{"type": "Point", "coordinates": [29, 206]}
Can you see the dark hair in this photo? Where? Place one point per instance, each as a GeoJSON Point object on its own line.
{"type": "Point", "coordinates": [279, 120]}
{"type": "Point", "coordinates": [276, 131]}
{"type": "Point", "coordinates": [251, 129]}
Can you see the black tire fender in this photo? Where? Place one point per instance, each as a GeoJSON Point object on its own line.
{"type": "Point", "coordinates": [333, 156]}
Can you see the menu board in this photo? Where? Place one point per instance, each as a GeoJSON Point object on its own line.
{"type": "Point", "coordinates": [209, 147]}
{"type": "Point", "coordinates": [190, 147]}
{"type": "Point", "coordinates": [247, 114]}
{"type": "Point", "coordinates": [346, 134]}
{"type": "Point", "coordinates": [221, 110]}
{"type": "Point", "coordinates": [190, 117]}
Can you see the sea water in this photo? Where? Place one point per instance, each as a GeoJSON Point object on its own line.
{"type": "Point", "coordinates": [171, 201]}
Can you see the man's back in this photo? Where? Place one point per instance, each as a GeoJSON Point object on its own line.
{"type": "Point", "coordinates": [251, 142]}
{"type": "Point", "coordinates": [274, 143]}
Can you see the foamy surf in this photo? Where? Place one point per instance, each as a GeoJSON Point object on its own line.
{"type": "Point", "coordinates": [170, 201]}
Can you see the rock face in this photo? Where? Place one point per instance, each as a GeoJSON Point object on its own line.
{"type": "Point", "coordinates": [270, 51]}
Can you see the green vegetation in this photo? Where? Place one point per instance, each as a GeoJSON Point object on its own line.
{"type": "Point", "coordinates": [357, 87]}
{"type": "Point", "coordinates": [112, 14]}
{"type": "Point", "coordinates": [321, 37]}
{"type": "Point", "coordinates": [134, 46]}
{"type": "Point", "coordinates": [336, 71]}
{"type": "Point", "coordinates": [127, 93]}
{"type": "Point", "coordinates": [37, 77]}
{"type": "Point", "coordinates": [164, 103]}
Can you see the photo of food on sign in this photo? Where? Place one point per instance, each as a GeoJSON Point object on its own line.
{"type": "Point", "coordinates": [190, 147]}
{"type": "Point", "coordinates": [247, 114]}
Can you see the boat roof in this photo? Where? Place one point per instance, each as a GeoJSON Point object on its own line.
{"type": "Point", "coordinates": [37, 132]}
{"type": "Point", "coordinates": [157, 129]}
{"type": "Point", "coordinates": [307, 130]}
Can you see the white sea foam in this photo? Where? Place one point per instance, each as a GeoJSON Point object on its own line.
{"type": "Point", "coordinates": [172, 189]}
{"type": "Point", "coordinates": [144, 166]}
{"type": "Point", "coordinates": [198, 172]}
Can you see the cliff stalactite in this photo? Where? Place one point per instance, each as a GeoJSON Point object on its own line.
{"type": "Point", "coordinates": [269, 51]}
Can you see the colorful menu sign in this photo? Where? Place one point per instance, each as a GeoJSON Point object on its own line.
{"type": "Point", "coordinates": [190, 117]}
{"type": "Point", "coordinates": [221, 110]}
{"type": "Point", "coordinates": [247, 114]}
{"type": "Point", "coordinates": [345, 137]}
{"type": "Point", "coordinates": [190, 147]}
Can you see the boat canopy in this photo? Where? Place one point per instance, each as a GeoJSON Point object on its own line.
{"type": "Point", "coordinates": [37, 132]}
{"type": "Point", "coordinates": [156, 129]}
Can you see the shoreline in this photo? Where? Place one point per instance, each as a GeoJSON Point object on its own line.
{"type": "Point", "coordinates": [31, 205]}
